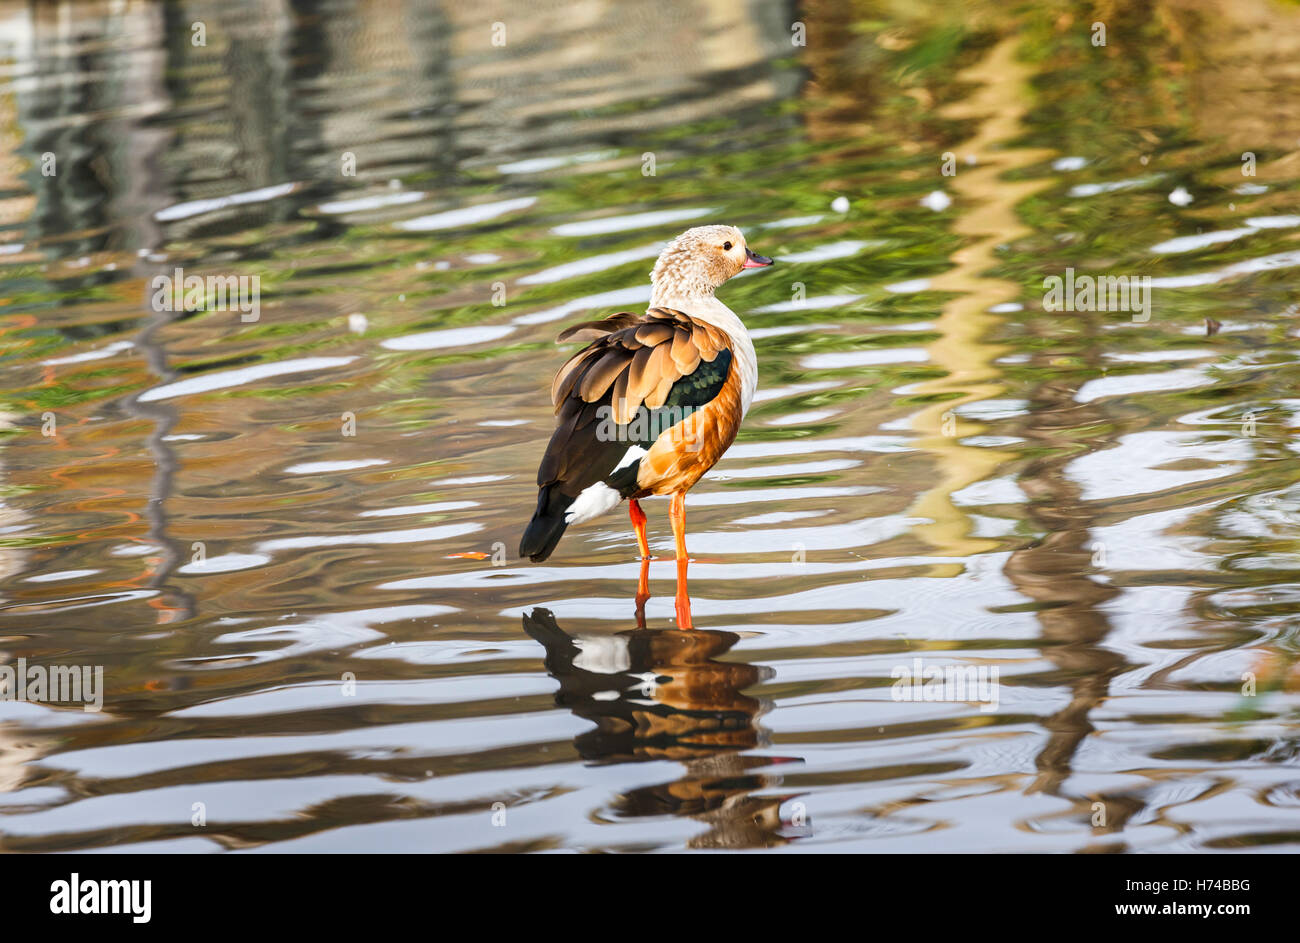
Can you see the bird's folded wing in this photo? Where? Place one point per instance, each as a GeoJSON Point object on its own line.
{"type": "Point", "coordinates": [633, 360]}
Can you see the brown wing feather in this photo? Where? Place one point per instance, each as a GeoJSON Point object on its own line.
{"type": "Point", "coordinates": [661, 374]}
{"type": "Point", "coordinates": [591, 330]}
{"type": "Point", "coordinates": [684, 353]}
{"type": "Point", "coordinates": [639, 380]}
{"type": "Point", "coordinates": [653, 333]}
{"type": "Point", "coordinates": [604, 369]}
{"type": "Point", "coordinates": [707, 339]}
{"type": "Point", "coordinates": [618, 398]}
{"type": "Point", "coordinates": [569, 373]}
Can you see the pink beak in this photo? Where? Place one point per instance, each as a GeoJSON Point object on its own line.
{"type": "Point", "coordinates": [755, 261]}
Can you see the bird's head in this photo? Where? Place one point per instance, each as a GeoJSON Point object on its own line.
{"type": "Point", "coordinates": [700, 260]}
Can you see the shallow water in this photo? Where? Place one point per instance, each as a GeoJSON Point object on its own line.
{"type": "Point", "coordinates": [290, 541]}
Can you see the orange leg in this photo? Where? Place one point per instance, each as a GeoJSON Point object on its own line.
{"type": "Point", "coordinates": [638, 521]}
{"type": "Point", "coordinates": [643, 584]}
{"type": "Point", "coordinates": [677, 515]}
{"type": "Point", "coordinates": [642, 592]}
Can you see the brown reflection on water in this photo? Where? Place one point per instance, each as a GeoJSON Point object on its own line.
{"type": "Point", "coordinates": [662, 694]}
{"type": "Point", "coordinates": [1058, 573]}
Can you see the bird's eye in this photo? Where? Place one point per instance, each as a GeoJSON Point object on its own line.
{"type": "Point", "coordinates": [726, 247]}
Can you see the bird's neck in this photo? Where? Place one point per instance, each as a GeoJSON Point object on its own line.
{"type": "Point", "coordinates": [668, 291]}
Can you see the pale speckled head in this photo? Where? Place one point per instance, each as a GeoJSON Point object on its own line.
{"type": "Point", "coordinates": [702, 259]}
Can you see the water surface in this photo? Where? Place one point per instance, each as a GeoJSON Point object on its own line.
{"type": "Point", "coordinates": [290, 541]}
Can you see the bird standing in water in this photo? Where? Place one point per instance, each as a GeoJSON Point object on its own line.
{"type": "Point", "coordinates": [652, 402]}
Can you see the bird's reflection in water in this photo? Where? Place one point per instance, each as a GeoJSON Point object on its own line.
{"type": "Point", "coordinates": [660, 694]}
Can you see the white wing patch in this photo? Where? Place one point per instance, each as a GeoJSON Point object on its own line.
{"type": "Point", "coordinates": [630, 456]}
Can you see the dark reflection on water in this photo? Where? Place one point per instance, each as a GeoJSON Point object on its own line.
{"type": "Point", "coordinates": [661, 694]}
{"type": "Point", "coordinates": [286, 539]}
